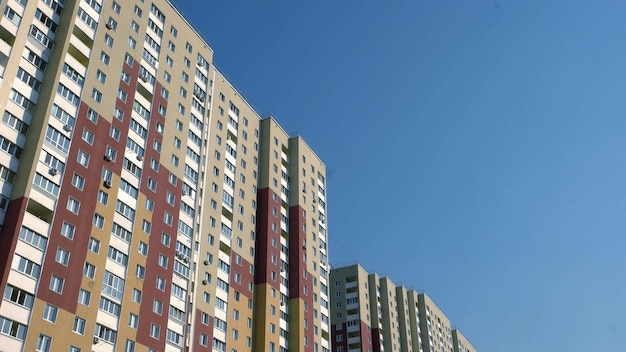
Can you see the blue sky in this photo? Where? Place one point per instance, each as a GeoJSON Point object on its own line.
{"type": "Point", "coordinates": [475, 149]}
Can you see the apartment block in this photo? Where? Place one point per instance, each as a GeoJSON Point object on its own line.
{"type": "Point", "coordinates": [371, 313]}
{"type": "Point", "coordinates": [292, 262]}
{"type": "Point", "coordinates": [144, 204]}
{"type": "Point", "coordinates": [436, 328]}
{"type": "Point", "coordinates": [351, 312]}
{"type": "Point", "coordinates": [461, 344]}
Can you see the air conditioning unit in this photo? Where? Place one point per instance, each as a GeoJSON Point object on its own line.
{"type": "Point", "coordinates": [206, 262]}
{"type": "Point", "coordinates": [139, 157]}
{"type": "Point", "coordinates": [107, 183]}
{"type": "Point", "coordinates": [109, 25]}
{"type": "Point", "coordinates": [67, 128]}
{"type": "Point", "coordinates": [282, 270]}
{"type": "Point", "coordinates": [186, 260]}
{"type": "Point", "coordinates": [54, 171]}
{"type": "Point", "coordinates": [184, 193]}
{"type": "Point", "coordinates": [282, 303]}
{"type": "Point", "coordinates": [204, 282]}
{"type": "Point", "coordinates": [96, 340]}
{"type": "Point", "coordinates": [107, 158]}
{"type": "Point", "coordinates": [144, 76]}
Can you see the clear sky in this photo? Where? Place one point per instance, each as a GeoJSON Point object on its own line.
{"type": "Point", "coordinates": [475, 149]}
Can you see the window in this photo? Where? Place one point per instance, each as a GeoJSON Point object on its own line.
{"type": "Point", "coordinates": [134, 26]}
{"type": "Point", "coordinates": [155, 331]}
{"type": "Point", "coordinates": [168, 218]}
{"type": "Point", "coordinates": [204, 340]}
{"type": "Point", "coordinates": [65, 92]}
{"type": "Point", "coordinates": [105, 58]}
{"type": "Point", "coordinates": [170, 198]}
{"type": "Point", "coordinates": [73, 205]}
{"type": "Point", "coordinates": [84, 297]}
{"type": "Point", "coordinates": [78, 181]}
{"type": "Point", "coordinates": [116, 8]}
{"type": "Point", "coordinates": [79, 326]}
{"type": "Point", "coordinates": [165, 239]}
{"type": "Point", "coordinates": [28, 105]}
{"type": "Point", "coordinates": [136, 296]}
{"type": "Point", "coordinates": [157, 307]}
{"type": "Point", "coordinates": [98, 221]}
{"type": "Point", "coordinates": [178, 291]}
{"type": "Point", "coordinates": [103, 198]}
{"type": "Point", "coordinates": [106, 305]}
{"type": "Point", "coordinates": [140, 272]}
{"type": "Point", "coordinates": [163, 261]}
{"type": "Point", "coordinates": [146, 226]}
{"type": "Point", "coordinates": [12, 328]}
{"type": "Point", "coordinates": [101, 76]}
{"type": "Point", "coordinates": [89, 270]}
{"type": "Point", "coordinates": [219, 345]}
{"type": "Point", "coordinates": [88, 136]}
{"type": "Point", "coordinates": [105, 333]}
{"type": "Point", "coordinates": [160, 283]}
{"type": "Point", "coordinates": [143, 248]}
{"type": "Point", "coordinates": [118, 114]}
{"type": "Point", "coordinates": [33, 238]}
{"type": "Point", "coordinates": [50, 313]}
{"type": "Point", "coordinates": [133, 321]}
{"type": "Point", "coordinates": [19, 296]}
{"type": "Point", "coordinates": [122, 95]}
{"type": "Point", "coordinates": [43, 343]}
{"type": "Point", "coordinates": [112, 285]}
{"type": "Point", "coordinates": [28, 79]}
{"type": "Point", "coordinates": [62, 256]}
{"type": "Point", "coordinates": [35, 59]}
{"type": "Point", "coordinates": [125, 210]}
{"type": "Point", "coordinates": [94, 245]}
{"type": "Point", "coordinates": [149, 204]}
{"type": "Point", "coordinates": [117, 256]}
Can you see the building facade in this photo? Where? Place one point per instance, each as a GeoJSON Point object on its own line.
{"type": "Point", "coordinates": [435, 326]}
{"type": "Point", "coordinates": [144, 204]}
{"type": "Point", "coordinates": [372, 314]}
{"type": "Point", "coordinates": [461, 344]}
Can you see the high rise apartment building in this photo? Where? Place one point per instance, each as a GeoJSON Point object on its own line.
{"type": "Point", "coordinates": [372, 314]}
{"type": "Point", "coordinates": [461, 344]}
{"type": "Point", "coordinates": [437, 331]}
{"type": "Point", "coordinates": [145, 205]}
